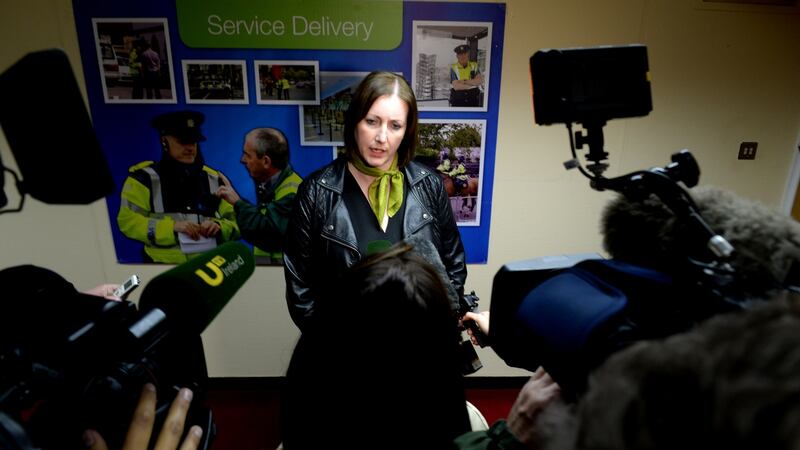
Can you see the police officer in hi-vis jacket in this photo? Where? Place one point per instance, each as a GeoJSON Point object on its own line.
{"type": "Point", "coordinates": [170, 205]}
{"type": "Point", "coordinates": [465, 79]}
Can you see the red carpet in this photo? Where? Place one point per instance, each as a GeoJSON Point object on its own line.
{"type": "Point", "coordinates": [247, 411]}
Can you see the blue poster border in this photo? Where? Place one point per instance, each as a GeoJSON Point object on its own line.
{"type": "Point", "coordinates": [127, 138]}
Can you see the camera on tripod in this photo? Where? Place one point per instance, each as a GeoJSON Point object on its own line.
{"type": "Point", "coordinates": [71, 361]}
{"type": "Point", "coordinates": [569, 314]}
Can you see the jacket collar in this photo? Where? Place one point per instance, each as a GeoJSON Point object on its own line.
{"type": "Point", "coordinates": [332, 176]}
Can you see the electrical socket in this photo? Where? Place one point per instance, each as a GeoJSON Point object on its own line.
{"type": "Point", "coordinates": [747, 150]}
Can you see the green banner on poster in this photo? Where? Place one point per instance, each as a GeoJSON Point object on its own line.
{"type": "Point", "coordinates": [291, 24]}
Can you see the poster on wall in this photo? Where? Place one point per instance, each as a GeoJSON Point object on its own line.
{"type": "Point", "coordinates": [134, 56]}
{"type": "Point", "coordinates": [449, 64]}
{"type": "Point", "coordinates": [454, 149]}
{"type": "Point", "coordinates": [323, 124]}
{"type": "Point", "coordinates": [215, 81]}
{"type": "Point", "coordinates": [191, 78]}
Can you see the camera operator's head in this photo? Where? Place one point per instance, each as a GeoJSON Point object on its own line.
{"type": "Point", "coordinates": [731, 383]}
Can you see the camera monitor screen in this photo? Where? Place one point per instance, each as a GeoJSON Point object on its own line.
{"type": "Point", "coordinates": [590, 85]}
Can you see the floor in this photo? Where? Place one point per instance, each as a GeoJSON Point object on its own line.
{"type": "Point", "coordinates": [246, 411]}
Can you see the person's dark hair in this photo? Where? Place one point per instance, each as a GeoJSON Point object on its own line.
{"type": "Point", "coordinates": [382, 358]}
{"type": "Point", "coordinates": [373, 86]}
{"type": "Point", "coordinates": [730, 383]}
{"type": "Point", "coordinates": [271, 142]}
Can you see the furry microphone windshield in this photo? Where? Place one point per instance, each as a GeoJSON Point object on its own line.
{"type": "Point", "coordinates": [766, 242]}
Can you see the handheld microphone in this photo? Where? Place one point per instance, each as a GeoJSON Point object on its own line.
{"type": "Point", "coordinates": [470, 361]}
{"type": "Point", "coordinates": [193, 293]}
{"type": "Point", "coordinates": [428, 252]}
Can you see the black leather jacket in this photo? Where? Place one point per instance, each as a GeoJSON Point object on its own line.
{"type": "Point", "coordinates": [321, 242]}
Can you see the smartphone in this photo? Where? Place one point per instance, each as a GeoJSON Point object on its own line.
{"type": "Point", "coordinates": [127, 287]}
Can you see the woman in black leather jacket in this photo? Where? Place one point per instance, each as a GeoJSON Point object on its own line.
{"type": "Point", "coordinates": [366, 200]}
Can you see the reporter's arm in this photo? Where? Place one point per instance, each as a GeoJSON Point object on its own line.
{"type": "Point", "coordinates": [519, 430]}
{"type": "Point", "coordinates": [533, 398]}
{"type": "Point", "coordinates": [498, 437]}
{"type": "Point", "coordinates": [481, 319]}
{"type": "Point", "coordinates": [104, 290]}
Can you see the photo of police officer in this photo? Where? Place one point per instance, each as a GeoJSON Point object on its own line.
{"type": "Point", "coordinates": [466, 79]}
{"type": "Point", "coordinates": [135, 60]}
{"type": "Point", "coordinates": [451, 64]}
{"type": "Point", "coordinates": [169, 206]}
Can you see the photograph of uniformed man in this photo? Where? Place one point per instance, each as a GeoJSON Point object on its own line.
{"type": "Point", "coordinates": [169, 205]}
{"type": "Point", "coordinates": [465, 79]}
{"type": "Point", "coordinates": [451, 65]}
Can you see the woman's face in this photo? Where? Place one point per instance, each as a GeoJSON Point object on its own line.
{"type": "Point", "coordinates": [380, 132]}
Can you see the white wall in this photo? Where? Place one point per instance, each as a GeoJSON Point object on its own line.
{"type": "Point", "coordinates": [720, 77]}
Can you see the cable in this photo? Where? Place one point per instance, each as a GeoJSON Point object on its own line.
{"type": "Point", "coordinates": [20, 189]}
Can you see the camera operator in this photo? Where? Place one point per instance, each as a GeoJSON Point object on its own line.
{"type": "Point", "coordinates": [143, 418]}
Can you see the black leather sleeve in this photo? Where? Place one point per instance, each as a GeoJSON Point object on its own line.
{"type": "Point", "coordinates": [298, 257]}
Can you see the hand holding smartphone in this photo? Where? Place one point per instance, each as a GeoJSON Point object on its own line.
{"type": "Point", "coordinates": [127, 287]}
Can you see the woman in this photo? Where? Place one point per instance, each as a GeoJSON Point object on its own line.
{"type": "Point", "coordinates": [359, 383]}
{"type": "Point", "coordinates": [369, 198]}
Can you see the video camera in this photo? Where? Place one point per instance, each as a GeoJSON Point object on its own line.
{"type": "Point", "coordinates": [71, 361]}
{"type": "Point", "coordinates": [569, 313]}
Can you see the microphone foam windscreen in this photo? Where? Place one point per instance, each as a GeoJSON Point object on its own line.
{"type": "Point", "coordinates": [766, 241]}
{"type": "Point", "coordinates": [193, 293]}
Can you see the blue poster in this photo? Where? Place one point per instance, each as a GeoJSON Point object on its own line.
{"type": "Point", "coordinates": [291, 67]}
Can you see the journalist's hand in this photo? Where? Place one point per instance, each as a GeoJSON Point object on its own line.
{"type": "Point", "coordinates": [482, 319]}
{"type": "Point", "coordinates": [104, 290]}
{"type": "Point", "coordinates": [142, 425]}
{"type": "Point", "coordinates": [533, 398]}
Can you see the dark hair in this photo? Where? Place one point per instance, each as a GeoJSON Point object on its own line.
{"type": "Point", "coordinates": [729, 383]}
{"type": "Point", "coordinates": [373, 86]}
{"type": "Point", "coordinates": [271, 142]}
{"type": "Point", "coordinates": [382, 357]}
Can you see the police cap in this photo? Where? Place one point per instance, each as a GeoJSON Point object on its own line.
{"type": "Point", "coordinates": [184, 125]}
{"type": "Point", "coordinates": [463, 48]}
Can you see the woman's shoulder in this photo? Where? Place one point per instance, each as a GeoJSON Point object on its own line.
{"type": "Point", "coordinates": [418, 172]}
{"type": "Point", "coordinates": [328, 175]}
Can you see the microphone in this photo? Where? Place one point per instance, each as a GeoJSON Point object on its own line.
{"type": "Point", "coordinates": [428, 252]}
{"type": "Point", "coordinates": [470, 362]}
{"type": "Point", "coordinates": [767, 242]}
{"type": "Point", "coordinates": [191, 294]}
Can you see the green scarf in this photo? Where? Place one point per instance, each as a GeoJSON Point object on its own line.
{"type": "Point", "coordinates": [377, 189]}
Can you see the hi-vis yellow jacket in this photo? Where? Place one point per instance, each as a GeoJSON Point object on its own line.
{"type": "Point", "coordinates": [264, 225]}
{"type": "Point", "coordinates": [156, 195]}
